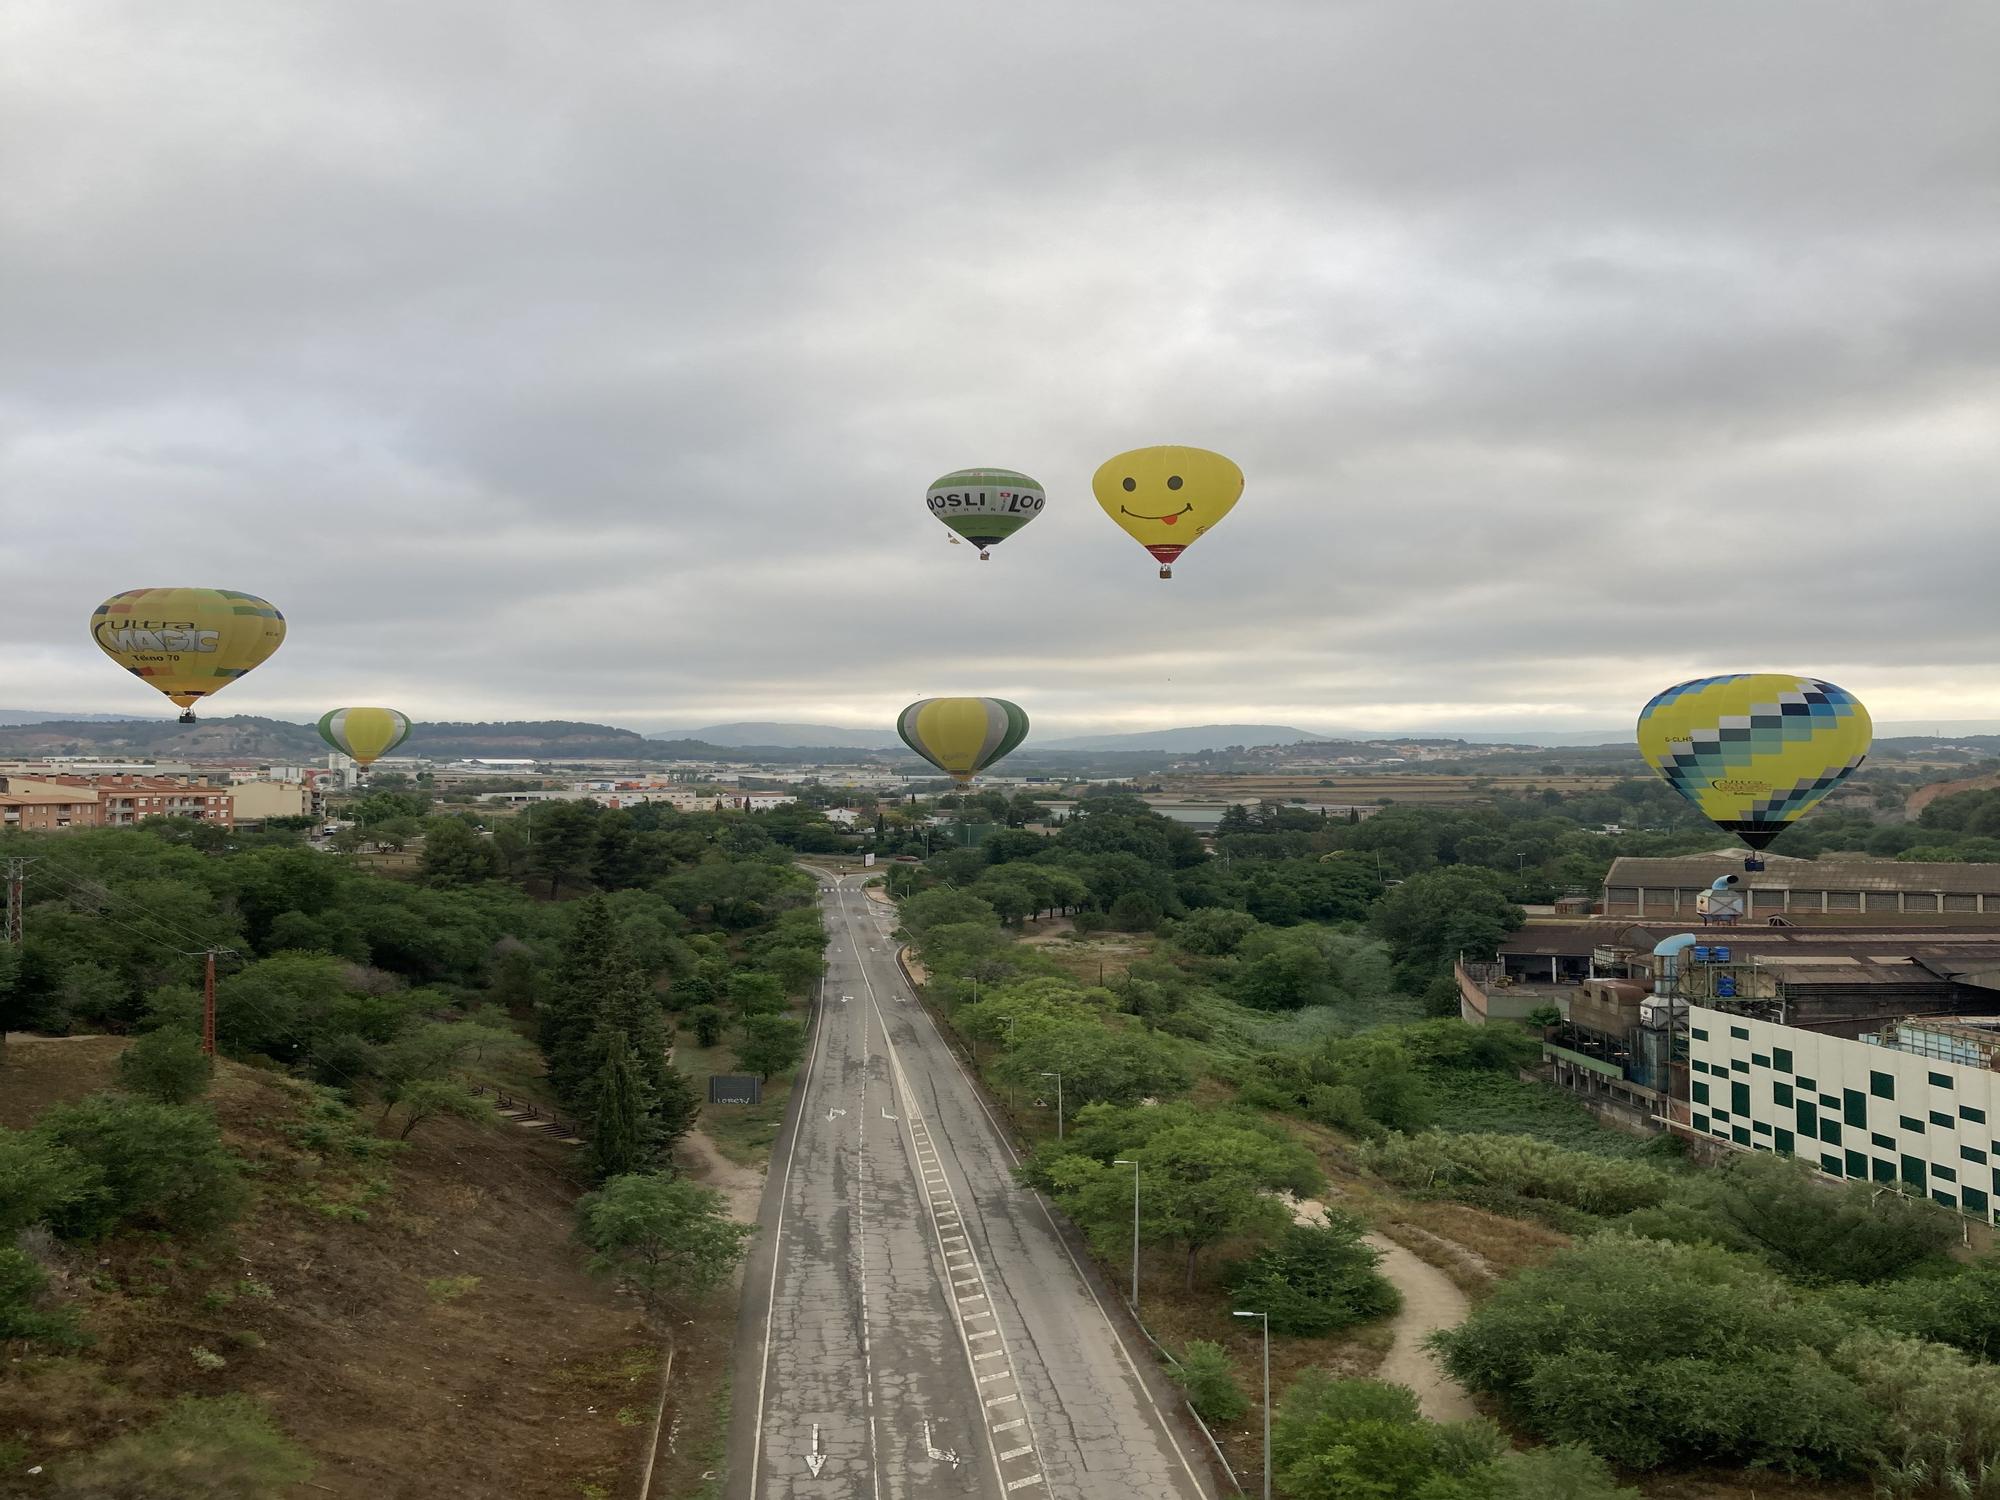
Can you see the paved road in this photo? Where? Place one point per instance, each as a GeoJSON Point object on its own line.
{"type": "Point", "coordinates": [929, 1333]}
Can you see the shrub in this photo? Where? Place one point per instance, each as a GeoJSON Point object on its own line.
{"type": "Point", "coordinates": [1938, 1414]}
{"type": "Point", "coordinates": [202, 1448]}
{"type": "Point", "coordinates": [1520, 1164]}
{"type": "Point", "coordinates": [167, 1065]}
{"type": "Point", "coordinates": [23, 1294]}
{"type": "Point", "coordinates": [1207, 1376]}
{"type": "Point", "coordinates": [1651, 1353]}
{"type": "Point", "coordinates": [708, 1022]}
{"type": "Point", "coordinates": [157, 1164]}
{"type": "Point", "coordinates": [39, 1179]}
{"type": "Point", "coordinates": [1339, 1439]}
{"type": "Point", "coordinates": [1316, 1278]}
{"type": "Point", "coordinates": [1961, 1309]}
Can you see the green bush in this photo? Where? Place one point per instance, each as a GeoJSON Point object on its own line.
{"type": "Point", "coordinates": [1654, 1354]}
{"type": "Point", "coordinates": [708, 1022]}
{"type": "Point", "coordinates": [1316, 1278]}
{"type": "Point", "coordinates": [1209, 1379]}
{"type": "Point", "coordinates": [1779, 1209]}
{"type": "Point", "coordinates": [159, 1165]}
{"type": "Point", "coordinates": [23, 1293]}
{"type": "Point", "coordinates": [1519, 1164]}
{"type": "Point", "coordinates": [39, 1179]}
{"type": "Point", "coordinates": [1938, 1415]}
{"type": "Point", "coordinates": [1342, 1439]}
{"type": "Point", "coordinates": [167, 1065]}
{"type": "Point", "coordinates": [1961, 1309]}
{"type": "Point", "coordinates": [202, 1448]}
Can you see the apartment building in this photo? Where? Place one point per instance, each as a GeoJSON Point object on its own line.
{"type": "Point", "coordinates": [39, 810]}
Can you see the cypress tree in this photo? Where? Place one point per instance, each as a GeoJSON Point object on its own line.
{"type": "Point", "coordinates": [591, 955]}
{"type": "Point", "coordinates": [618, 1134]}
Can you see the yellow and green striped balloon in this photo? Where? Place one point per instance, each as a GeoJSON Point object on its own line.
{"type": "Point", "coordinates": [366, 734]}
{"type": "Point", "coordinates": [188, 643]}
{"type": "Point", "coordinates": [962, 736]}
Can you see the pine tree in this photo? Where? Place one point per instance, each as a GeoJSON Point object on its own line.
{"type": "Point", "coordinates": [591, 955]}
{"type": "Point", "coordinates": [618, 1132]}
{"type": "Point", "coordinates": [631, 1012]}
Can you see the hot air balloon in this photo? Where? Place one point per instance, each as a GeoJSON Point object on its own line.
{"type": "Point", "coordinates": [962, 736]}
{"type": "Point", "coordinates": [1166, 497]}
{"type": "Point", "coordinates": [188, 643]}
{"type": "Point", "coordinates": [1755, 751]}
{"type": "Point", "coordinates": [365, 734]}
{"type": "Point", "coordinates": [985, 506]}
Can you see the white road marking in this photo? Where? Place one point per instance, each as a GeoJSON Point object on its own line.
{"type": "Point", "coordinates": [815, 1460]}
{"type": "Point", "coordinates": [1009, 1426]}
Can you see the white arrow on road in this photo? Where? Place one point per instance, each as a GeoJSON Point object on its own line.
{"type": "Point", "coordinates": [886, 1115]}
{"type": "Point", "coordinates": [815, 1460]}
{"type": "Point", "coordinates": [938, 1455]}
{"type": "Point", "coordinates": [835, 1114]}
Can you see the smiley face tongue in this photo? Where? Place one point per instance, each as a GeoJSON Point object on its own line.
{"type": "Point", "coordinates": [1168, 520]}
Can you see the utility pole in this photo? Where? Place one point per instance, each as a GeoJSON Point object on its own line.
{"type": "Point", "coordinates": [17, 874]}
{"type": "Point", "coordinates": [209, 955]}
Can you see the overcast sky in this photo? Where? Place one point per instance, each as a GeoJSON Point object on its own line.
{"type": "Point", "coordinates": [591, 359]}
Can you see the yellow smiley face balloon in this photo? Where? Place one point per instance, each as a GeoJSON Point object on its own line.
{"type": "Point", "coordinates": [1166, 497]}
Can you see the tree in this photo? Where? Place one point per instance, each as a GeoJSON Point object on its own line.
{"type": "Point", "coordinates": [456, 854]}
{"type": "Point", "coordinates": [562, 836]}
{"type": "Point", "coordinates": [771, 1044]}
{"type": "Point", "coordinates": [1206, 1177]}
{"type": "Point", "coordinates": [1430, 918]}
{"type": "Point", "coordinates": [167, 1065]}
{"type": "Point", "coordinates": [708, 1022]}
{"type": "Point", "coordinates": [755, 994]}
{"type": "Point", "coordinates": [1316, 1278]}
{"type": "Point", "coordinates": [1099, 1064]}
{"type": "Point", "coordinates": [1346, 1439]}
{"type": "Point", "coordinates": [569, 1015]}
{"type": "Point", "coordinates": [155, 1164]}
{"type": "Point", "coordinates": [424, 1099]}
{"type": "Point", "coordinates": [1207, 1376]}
{"type": "Point", "coordinates": [667, 1239]}
{"type": "Point", "coordinates": [618, 1143]}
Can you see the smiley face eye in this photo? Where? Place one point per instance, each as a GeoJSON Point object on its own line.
{"type": "Point", "coordinates": [1131, 484]}
{"type": "Point", "coordinates": [1174, 482]}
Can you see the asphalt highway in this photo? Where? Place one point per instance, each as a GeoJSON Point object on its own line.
{"type": "Point", "coordinates": [912, 1324]}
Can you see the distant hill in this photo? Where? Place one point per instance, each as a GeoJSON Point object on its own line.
{"type": "Point", "coordinates": [1187, 740]}
{"type": "Point", "coordinates": [244, 737]}
{"type": "Point", "coordinates": [45, 715]}
{"type": "Point", "coordinates": [765, 732]}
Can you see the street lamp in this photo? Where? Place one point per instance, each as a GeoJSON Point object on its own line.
{"type": "Point", "coordinates": [1059, 1110]}
{"type": "Point", "coordinates": [1266, 1317]}
{"type": "Point", "coordinates": [1124, 1162]}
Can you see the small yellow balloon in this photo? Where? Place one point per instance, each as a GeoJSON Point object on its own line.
{"type": "Point", "coordinates": [187, 643]}
{"type": "Point", "coordinates": [1164, 498]}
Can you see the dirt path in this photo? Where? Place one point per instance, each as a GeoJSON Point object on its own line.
{"type": "Point", "coordinates": [1430, 1301]}
{"type": "Point", "coordinates": [742, 1187]}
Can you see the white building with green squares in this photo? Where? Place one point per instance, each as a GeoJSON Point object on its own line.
{"type": "Point", "coordinates": [1921, 1112]}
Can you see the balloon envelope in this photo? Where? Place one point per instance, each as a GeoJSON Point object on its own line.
{"type": "Point", "coordinates": [962, 736]}
{"type": "Point", "coordinates": [365, 734]}
{"type": "Point", "coordinates": [187, 643]}
{"type": "Point", "coordinates": [985, 506]}
{"type": "Point", "coordinates": [1755, 751]}
{"type": "Point", "coordinates": [1164, 498]}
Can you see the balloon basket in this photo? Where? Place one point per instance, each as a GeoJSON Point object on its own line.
{"type": "Point", "coordinates": [983, 556]}
{"type": "Point", "coordinates": [187, 717]}
{"type": "Point", "coordinates": [1166, 571]}
{"type": "Point", "coordinates": [1752, 863]}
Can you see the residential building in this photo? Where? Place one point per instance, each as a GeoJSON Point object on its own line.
{"type": "Point", "coordinates": [42, 810]}
{"type": "Point", "coordinates": [254, 801]}
{"type": "Point", "coordinates": [126, 800]}
{"type": "Point", "coordinates": [1915, 1106]}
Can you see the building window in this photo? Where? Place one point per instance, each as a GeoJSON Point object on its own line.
{"type": "Point", "coordinates": [1886, 1142]}
{"type": "Point", "coordinates": [1882, 1085]}
{"type": "Point", "coordinates": [1699, 1034]}
{"type": "Point", "coordinates": [1973, 1200]}
{"type": "Point", "coordinates": [1739, 1098]}
{"type": "Point", "coordinates": [1945, 1120]}
{"type": "Point", "coordinates": [1700, 1090]}
{"type": "Point", "coordinates": [1758, 1127]}
{"type": "Point", "coordinates": [1968, 1112]}
{"type": "Point", "coordinates": [1737, 1065]}
{"type": "Point", "coordinates": [1854, 1108]}
{"type": "Point", "coordinates": [1700, 1121]}
{"type": "Point", "coordinates": [1700, 1066]}
{"type": "Point", "coordinates": [1759, 1060]}
{"type": "Point", "coordinates": [1940, 1080]}
{"type": "Point", "coordinates": [1843, 901]}
{"type": "Point", "coordinates": [1808, 1119]}
{"type": "Point", "coordinates": [1781, 1059]}
{"type": "Point", "coordinates": [1857, 1165]}
{"type": "Point", "coordinates": [1741, 1033]}
{"type": "Point", "coordinates": [1943, 1199]}
{"type": "Point", "coordinates": [1913, 1173]}
{"type": "Point", "coordinates": [1971, 1153]}
{"type": "Point", "coordinates": [1739, 1135]}
{"type": "Point", "coordinates": [1829, 1164]}
{"type": "Point", "coordinates": [1785, 1139]}
{"type": "Point", "coordinates": [1920, 901]}
{"type": "Point", "coordinates": [1949, 1174]}
{"type": "Point", "coordinates": [1884, 1171]}
{"type": "Point", "coordinates": [1805, 1083]}
{"type": "Point", "coordinates": [1829, 1131]}
{"type": "Point", "coordinates": [1781, 1093]}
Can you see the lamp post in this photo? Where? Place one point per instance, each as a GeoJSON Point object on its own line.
{"type": "Point", "coordinates": [1266, 1319]}
{"type": "Point", "coordinates": [1008, 1022]}
{"type": "Point", "coordinates": [1125, 1162]}
{"type": "Point", "coordinates": [1059, 1102]}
